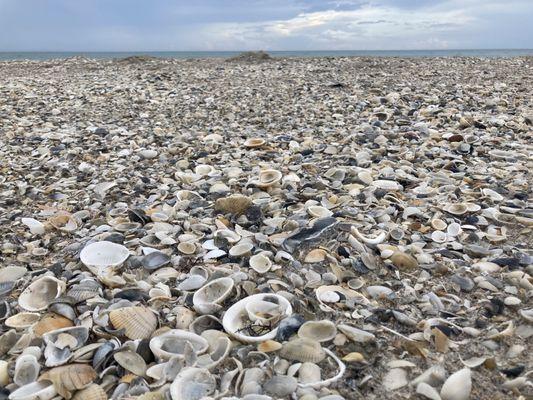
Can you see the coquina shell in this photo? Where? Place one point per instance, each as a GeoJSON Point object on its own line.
{"type": "Point", "coordinates": [235, 317]}
{"type": "Point", "coordinates": [138, 322]}
{"type": "Point", "coordinates": [40, 293]}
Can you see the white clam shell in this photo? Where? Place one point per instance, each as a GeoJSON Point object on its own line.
{"type": "Point", "coordinates": [42, 390]}
{"type": "Point", "coordinates": [36, 227]}
{"type": "Point", "coordinates": [193, 384]}
{"type": "Point", "coordinates": [38, 295]}
{"type": "Point", "coordinates": [26, 369]}
{"type": "Point", "coordinates": [260, 263]}
{"type": "Point", "coordinates": [457, 386]}
{"type": "Point", "coordinates": [208, 298]}
{"type": "Point", "coordinates": [173, 343]}
{"type": "Point", "coordinates": [100, 257]}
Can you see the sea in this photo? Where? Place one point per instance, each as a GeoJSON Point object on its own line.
{"type": "Point", "coordinates": [38, 55]}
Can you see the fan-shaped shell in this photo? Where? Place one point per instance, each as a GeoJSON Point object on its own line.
{"type": "Point", "coordinates": [321, 331]}
{"type": "Point", "coordinates": [91, 392]}
{"type": "Point", "coordinates": [68, 378]}
{"type": "Point", "coordinates": [208, 297]}
{"type": "Point", "coordinates": [193, 384]}
{"type": "Point", "coordinates": [39, 295]}
{"type": "Point", "coordinates": [138, 322]}
{"type": "Point", "coordinates": [303, 350]}
{"type": "Point", "coordinates": [12, 273]}
{"type": "Point", "coordinates": [173, 343]}
{"type": "Point", "coordinates": [101, 256]}
{"type": "Point", "coordinates": [238, 325]}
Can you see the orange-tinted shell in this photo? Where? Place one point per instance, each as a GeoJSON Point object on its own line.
{"type": "Point", "coordinates": [51, 322]}
{"type": "Point", "coordinates": [91, 392]}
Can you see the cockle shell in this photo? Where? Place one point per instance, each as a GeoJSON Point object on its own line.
{"type": "Point", "coordinates": [51, 322]}
{"type": "Point", "coordinates": [260, 263]}
{"type": "Point", "coordinates": [303, 350]}
{"type": "Point", "coordinates": [38, 295]}
{"type": "Point", "coordinates": [91, 392]}
{"type": "Point", "coordinates": [26, 369]}
{"type": "Point", "coordinates": [138, 322]}
{"type": "Point", "coordinates": [268, 177]}
{"type": "Point", "coordinates": [321, 331]}
{"type": "Point", "coordinates": [68, 378]}
{"type": "Point", "coordinates": [131, 362]}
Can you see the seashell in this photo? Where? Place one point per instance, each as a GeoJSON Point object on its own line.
{"type": "Point", "coordinates": [403, 260]}
{"type": "Point", "coordinates": [241, 249]}
{"type": "Point", "coordinates": [40, 293]}
{"type": "Point", "coordinates": [65, 223]}
{"type": "Point", "coordinates": [268, 177]}
{"type": "Point", "coordinates": [269, 346]}
{"type": "Point", "coordinates": [137, 322]}
{"type": "Point", "coordinates": [26, 369]}
{"type": "Point", "coordinates": [260, 263]}
{"type": "Point", "coordinates": [356, 335]}
{"type": "Point", "coordinates": [395, 379]}
{"type": "Point", "coordinates": [319, 212]}
{"type": "Point", "coordinates": [439, 236]}
{"type": "Point", "coordinates": [427, 391]}
{"type": "Point", "coordinates": [321, 331]}
{"type": "Point", "coordinates": [378, 291]}
{"type": "Point", "coordinates": [254, 142]}
{"type": "Point", "coordinates": [11, 273]}
{"type": "Point", "coordinates": [457, 386]}
{"type": "Point", "coordinates": [60, 343]}
{"type": "Point", "coordinates": [155, 260]}
{"type": "Point", "coordinates": [36, 227]}
{"type": "Point", "coordinates": [187, 248]}
{"type": "Point", "coordinates": [456, 209]}
{"type": "Point", "coordinates": [527, 314]}
{"type": "Point", "coordinates": [192, 282]}
{"type": "Point", "coordinates": [131, 362]}
{"type": "Point", "coordinates": [43, 390]}
{"type": "Point", "coordinates": [205, 322]}
{"type": "Point", "coordinates": [234, 204]}
{"type": "Point", "coordinates": [208, 298]}
{"type": "Point", "coordinates": [263, 312]}
{"type": "Point", "coordinates": [280, 386]}
{"type": "Point", "coordinates": [193, 384]}
{"type": "Point", "coordinates": [68, 378]}
{"type": "Point", "coordinates": [353, 357]}
{"type": "Point", "coordinates": [6, 288]}
{"type": "Point", "coordinates": [237, 324]}
{"type": "Point", "coordinates": [91, 392]}
{"type": "Point", "coordinates": [85, 290]}
{"type": "Point", "coordinates": [438, 224]}
{"type": "Point", "coordinates": [22, 320]}
{"type": "Point", "coordinates": [303, 350]}
{"type": "Point", "coordinates": [174, 342]}
{"type": "Point", "coordinates": [315, 256]}
{"type": "Point", "coordinates": [218, 354]}
{"type": "Point", "coordinates": [379, 238]}
{"type": "Point", "coordinates": [100, 257]}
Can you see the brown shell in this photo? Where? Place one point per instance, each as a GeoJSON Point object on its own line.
{"type": "Point", "coordinates": [51, 322]}
{"type": "Point", "coordinates": [137, 322]}
{"type": "Point", "coordinates": [68, 378]}
{"type": "Point", "coordinates": [303, 350]}
{"type": "Point", "coordinates": [403, 260]}
{"type": "Point", "coordinates": [91, 392]}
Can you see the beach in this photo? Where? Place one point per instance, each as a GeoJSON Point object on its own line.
{"type": "Point", "coordinates": [283, 228]}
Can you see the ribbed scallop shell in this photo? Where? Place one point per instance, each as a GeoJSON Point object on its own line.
{"type": "Point", "coordinates": [91, 392]}
{"type": "Point", "coordinates": [137, 322]}
{"type": "Point", "coordinates": [303, 350]}
{"type": "Point", "coordinates": [68, 378]}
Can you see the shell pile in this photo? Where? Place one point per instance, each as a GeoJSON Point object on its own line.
{"type": "Point", "coordinates": [301, 229]}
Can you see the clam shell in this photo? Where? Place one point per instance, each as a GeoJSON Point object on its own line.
{"type": "Point", "coordinates": [321, 331]}
{"type": "Point", "coordinates": [68, 378]}
{"type": "Point", "coordinates": [241, 249]}
{"type": "Point", "coordinates": [43, 390]}
{"type": "Point", "coordinates": [155, 260]}
{"type": "Point", "coordinates": [458, 386]}
{"type": "Point", "coordinates": [138, 322]}
{"type": "Point", "coordinates": [234, 204]}
{"type": "Point", "coordinates": [235, 321]}
{"type": "Point", "coordinates": [268, 177]}
{"type": "Point", "coordinates": [254, 142]}
{"type": "Point", "coordinates": [212, 294]}
{"type": "Point", "coordinates": [438, 224]}
{"type": "Point", "coordinates": [12, 273]}
{"type": "Point", "coordinates": [91, 392]}
{"type": "Point", "coordinates": [193, 384]}
{"type": "Point", "coordinates": [315, 256]}
{"type": "Point", "coordinates": [173, 343]}
{"type": "Point", "coordinates": [303, 350]}
{"type": "Point", "coordinates": [22, 320]}
{"type": "Point", "coordinates": [39, 294]}
{"type": "Point", "coordinates": [102, 256]}
{"type": "Point", "coordinates": [36, 227]}
{"type": "Point", "coordinates": [456, 209]}
{"type": "Point", "coordinates": [319, 212]}
{"type": "Point", "coordinates": [131, 362]}
{"type": "Point", "coordinates": [403, 260]}
{"type": "Point", "coordinates": [187, 248]}
{"type": "Point", "coordinates": [26, 369]}
{"type": "Point", "coordinates": [260, 263]}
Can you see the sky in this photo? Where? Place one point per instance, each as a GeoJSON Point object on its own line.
{"type": "Point", "coordinates": [221, 25]}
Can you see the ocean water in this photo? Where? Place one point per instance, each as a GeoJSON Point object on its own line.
{"type": "Point", "coordinates": [6, 56]}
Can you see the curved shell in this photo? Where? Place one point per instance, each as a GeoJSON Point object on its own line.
{"type": "Point", "coordinates": [155, 260]}
{"type": "Point", "coordinates": [51, 322]}
{"type": "Point", "coordinates": [220, 351]}
{"type": "Point", "coordinates": [61, 342]}
{"type": "Point", "coordinates": [254, 142]}
{"type": "Point", "coordinates": [91, 392]}
{"type": "Point", "coordinates": [319, 212]}
{"type": "Point", "coordinates": [174, 343]}
{"type": "Point", "coordinates": [237, 324]}
{"type": "Point", "coordinates": [241, 249]}
{"type": "Point", "coordinates": [403, 260]}
{"type": "Point", "coordinates": [260, 263]}
{"type": "Point", "coordinates": [36, 227]}
{"type": "Point", "coordinates": [268, 177]}
{"type": "Point", "coordinates": [101, 256]}
{"type": "Point", "coordinates": [303, 350]}
{"type": "Point", "coordinates": [456, 209]}
{"type": "Point", "coordinates": [22, 320]}
{"type": "Point", "coordinates": [12, 273]}
{"type": "Point", "coordinates": [68, 378]}
{"type": "Point", "coordinates": [208, 298]}
{"type": "Point", "coordinates": [192, 384]}
{"type": "Point", "coordinates": [138, 322]}
{"type": "Point", "coordinates": [26, 369]}
{"type": "Point", "coordinates": [131, 361]}
{"type": "Point", "coordinates": [438, 224]}
{"type": "Point", "coordinates": [187, 248]}
{"type": "Point", "coordinates": [42, 390]}
{"type": "Point", "coordinates": [41, 293]}
{"type": "Point", "coordinates": [321, 331]}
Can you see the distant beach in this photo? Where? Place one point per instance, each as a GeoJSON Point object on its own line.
{"type": "Point", "coordinates": [38, 55]}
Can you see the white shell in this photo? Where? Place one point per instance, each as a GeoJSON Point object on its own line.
{"type": "Point", "coordinates": [38, 295]}
{"type": "Point", "coordinates": [236, 316]}
{"type": "Point", "coordinates": [192, 384]}
{"type": "Point", "coordinates": [26, 369]}
{"type": "Point", "coordinates": [260, 263]}
{"type": "Point", "coordinates": [241, 249]}
{"type": "Point", "coordinates": [208, 298]}
{"type": "Point", "coordinates": [42, 390]}
{"type": "Point", "coordinates": [101, 256]}
{"type": "Point", "coordinates": [173, 343]}
{"type": "Point", "coordinates": [457, 386]}
{"type": "Point", "coordinates": [319, 211]}
{"type": "Point", "coordinates": [268, 177]}
{"type": "Point", "coordinates": [36, 227]}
